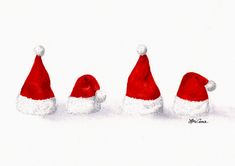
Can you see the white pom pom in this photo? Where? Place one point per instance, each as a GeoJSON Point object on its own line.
{"type": "Point", "coordinates": [100, 96]}
{"type": "Point", "coordinates": [211, 85]}
{"type": "Point", "coordinates": [39, 50]}
{"type": "Point", "coordinates": [142, 49]}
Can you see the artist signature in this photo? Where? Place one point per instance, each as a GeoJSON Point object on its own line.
{"type": "Point", "coordinates": [190, 121]}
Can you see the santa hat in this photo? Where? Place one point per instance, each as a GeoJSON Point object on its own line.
{"type": "Point", "coordinates": [36, 96]}
{"type": "Point", "coordinates": [192, 97]}
{"type": "Point", "coordinates": [142, 93]}
{"type": "Point", "coordinates": [86, 96]}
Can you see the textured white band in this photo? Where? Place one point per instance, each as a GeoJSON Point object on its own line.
{"type": "Point", "coordinates": [83, 105]}
{"type": "Point", "coordinates": [139, 106]}
{"type": "Point", "coordinates": [35, 107]}
{"type": "Point", "coordinates": [190, 108]}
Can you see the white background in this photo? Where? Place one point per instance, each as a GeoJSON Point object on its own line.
{"type": "Point", "coordinates": [100, 37]}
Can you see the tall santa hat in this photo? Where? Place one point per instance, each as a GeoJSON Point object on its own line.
{"type": "Point", "coordinates": [192, 97]}
{"type": "Point", "coordinates": [86, 96]}
{"type": "Point", "coordinates": [36, 96]}
{"type": "Point", "coordinates": [142, 93]}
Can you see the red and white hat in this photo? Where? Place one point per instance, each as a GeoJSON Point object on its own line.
{"type": "Point", "coordinates": [192, 97]}
{"type": "Point", "coordinates": [142, 93]}
{"type": "Point", "coordinates": [86, 96]}
{"type": "Point", "coordinates": [36, 96]}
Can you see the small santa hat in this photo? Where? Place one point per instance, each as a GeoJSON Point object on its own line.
{"type": "Point", "coordinates": [192, 97]}
{"type": "Point", "coordinates": [36, 96]}
{"type": "Point", "coordinates": [142, 93]}
{"type": "Point", "coordinates": [86, 96]}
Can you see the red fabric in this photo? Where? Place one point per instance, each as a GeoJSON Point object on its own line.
{"type": "Point", "coordinates": [192, 87]}
{"type": "Point", "coordinates": [37, 85]}
{"type": "Point", "coordinates": [85, 87]}
{"type": "Point", "coordinates": [141, 84]}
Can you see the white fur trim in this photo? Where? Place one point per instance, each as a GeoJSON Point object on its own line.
{"type": "Point", "coordinates": [141, 49]}
{"type": "Point", "coordinates": [39, 50]}
{"type": "Point", "coordinates": [139, 106]}
{"type": "Point", "coordinates": [100, 96]}
{"type": "Point", "coordinates": [211, 85]}
{"type": "Point", "coordinates": [83, 105]}
{"type": "Point", "coordinates": [35, 107]}
{"type": "Point", "coordinates": [190, 108]}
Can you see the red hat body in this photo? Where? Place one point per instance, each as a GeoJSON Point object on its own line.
{"type": "Point", "coordinates": [86, 96]}
{"type": "Point", "coordinates": [192, 87]}
{"type": "Point", "coordinates": [36, 96]}
{"type": "Point", "coordinates": [141, 84]}
{"type": "Point", "coordinates": [86, 86]}
{"type": "Point", "coordinates": [142, 93]}
{"type": "Point", "coordinates": [37, 85]}
{"type": "Point", "coordinates": [192, 97]}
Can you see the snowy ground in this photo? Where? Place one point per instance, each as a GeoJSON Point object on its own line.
{"type": "Point", "coordinates": [111, 138]}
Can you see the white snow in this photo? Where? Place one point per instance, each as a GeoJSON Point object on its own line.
{"type": "Point", "coordinates": [109, 137]}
